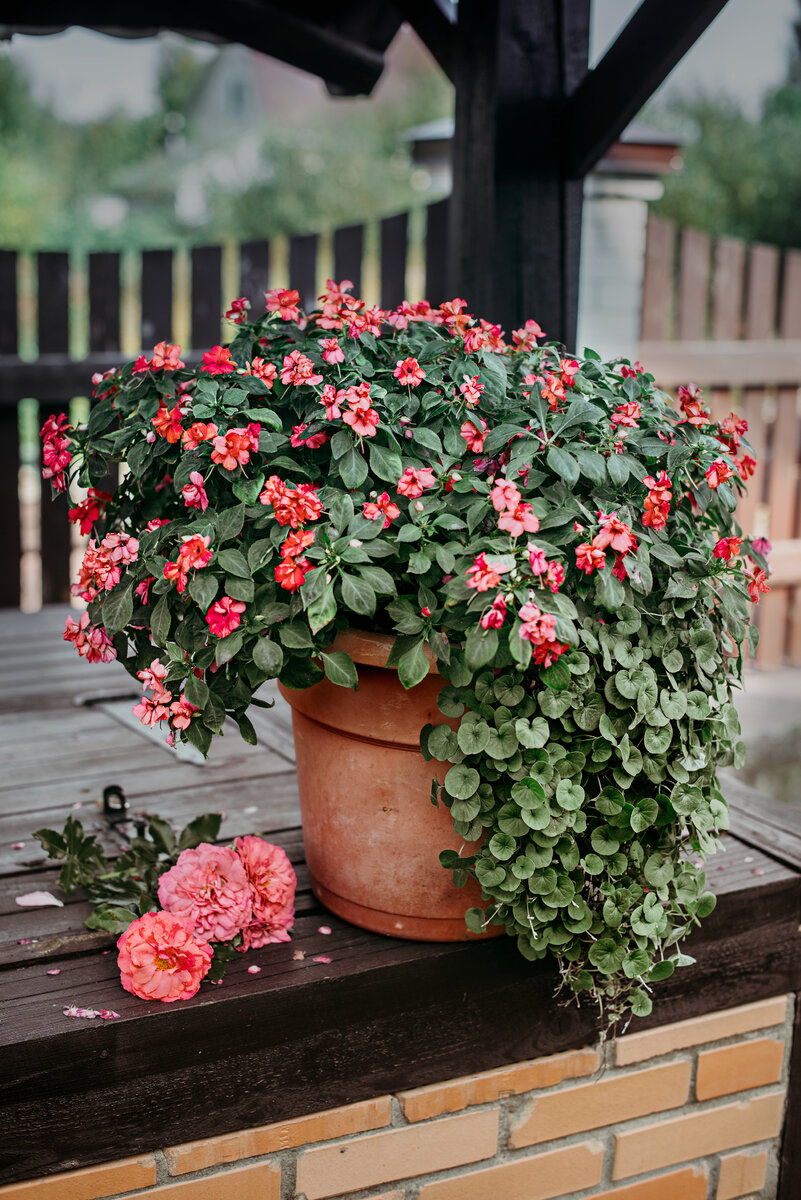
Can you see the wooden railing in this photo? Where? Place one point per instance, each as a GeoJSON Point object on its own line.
{"type": "Point", "coordinates": [727, 315]}
{"type": "Point", "coordinates": [61, 320]}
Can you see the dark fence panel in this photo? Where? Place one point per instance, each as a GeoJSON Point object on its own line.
{"type": "Point", "coordinates": [53, 325]}
{"type": "Point", "coordinates": [437, 252]}
{"type": "Point", "coordinates": [394, 250]}
{"type": "Point", "coordinates": [303, 268]}
{"type": "Point", "coordinates": [156, 297]}
{"type": "Point", "coordinates": [348, 255]}
{"type": "Point", "coordinates": [9, 441]}
{"type": "Point", "coordinates": [206, 301]}
{"type": "Point", "coordinates": [254, 273]}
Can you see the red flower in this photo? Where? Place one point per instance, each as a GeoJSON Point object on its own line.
{"type": "Point", "coordinates": [238, 310]}
{"type": "Point", "coordinates": [383, 508]}
{"type": "Point", "coordinates": [519, 520]}
{"type": "Point", "coordinates": [757, 582]}
{"type": "Point", "coordinates": [413, 483]}
{"type": "Point", "coordinates": [614, 533]}
{"type": "Point", "coordinates": [332, 351]}
{"type": "Point", "coordinates": [482, 576]}
{"type": "Point", "coordinates": [218, 361]}
{"type": "Point", "coordinates": [291, 573]}
{"type": "Point", "coordinates": [494, 617]}
{"type": "Point", "coordinates": [167, 423]}
{"type": "Point", "coordinates": [89, 510]}
{"type": "Point", "coordinates": [627, 415]}
{"type": "Point", "coordinates": [198, 432]}
{"type": "Point", "coordinates": [234, 448]}
{"type": "Point", "coordinates": [589, 558]}
{"type": "Point", "coordinates": [224, 616]}
{"type": "Point", "coordinates": [727, 548]}
{"type": "Point", "coordinates": [718, 473]}
{"type": "Point", "coordinates": [473, 435]}
{"type": "Point", "coordinates": [261, 369]}
{"type": "Point", "coordinates": [283, 301]}
{"type": "Point", "coordinates": [526, 338]}
{"type": "Point", "coordinates": [409, 372]}
{"type": "Point", "coordinates": [471, 389]}
{"type": "Point", "coordinates": [166, 357]}
{"type": "Point", "coordinates": [298, 370]}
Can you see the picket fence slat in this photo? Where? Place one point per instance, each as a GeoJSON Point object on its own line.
{"type": "Point", "coordinates": [9, 440]}
{"type": "Point", "coordinates": [52, 316]}
{"type": "Point", "coordinates": [53, 332]}
{"type": "Point", "coordinates": [694, 274]}
{"type": "Point", "coordinates": [104, 300]}
{"type": "Point", "coordinates": [763, 285]}
{"type": "Point", "coordinates": [348, 255]}
{"type": "Point", "coordinates": [206, 297]}
{"type": "Point", "coordinates": [157, 289]}
{"type": "Point", "coordinates": [303, 267]}
{"type": "Point", "coordinates": [728, 288]}
{"type": "Point", "coordinates": [254, 273]}
{"type": "Point", "coordinates": [9, 317]}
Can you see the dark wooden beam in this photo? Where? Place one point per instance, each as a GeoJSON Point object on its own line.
{"type": "Point", "coordinates": [269, 28]}
{"type": "Point", "coordinates": [658, 35]}
{"type": "Point", "coordinates": [516, 217]}
{"type": "Point", "coordinates": [434, 22]}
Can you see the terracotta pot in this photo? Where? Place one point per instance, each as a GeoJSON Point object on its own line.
{"type": "Point", "coordinates": [372, 837]}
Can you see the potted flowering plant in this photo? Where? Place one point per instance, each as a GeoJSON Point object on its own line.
{"type": "Point", "coordinates": [541, 552]}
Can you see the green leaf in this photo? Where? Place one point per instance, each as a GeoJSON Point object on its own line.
{"type": "Point", "coordinates": [658, 870]}
{"type": "Point", "coordinates": [340, 669]}
{"type": "Point", "coordinates": [379, 580]}
{"type": "Point", "coordinates": [203, 588]}
{"type": "Point", "coordinates": [202, 829]}
{"type": "Point", "coordinates": [160, 620]}
{"type": "Point", "coordinates": [117, 608]}
{"type": "Point", "coordinates": [502, 846]}
{"type": "Point", "coordinates": [296, 635]}
{"type": "Point", "coordinates": [644, 813]}
{"type": "Point", "coordinates": [617, 469]}
{"type": "Point", "coordinates": [233, 562]}
{"type": "Point", "coordinates": [563, 465]}
{"type": "Point", "coordinates": [532, 734]}
{"type": "Point", "coordinates": [473, 737]}
{"type": "Point", "coordinates": [481, 647]}
{"type": "Point", "coordinates": [557, 676]}
{"type": "Point", "coordinates": [462, 782]}
{"type": "Point", "coordinates": [608, 589]}
{"type": "Point", "coordinates": [641, 1003]}
{"type": "Point", "coordinates": [230, 522]}
{"type": "Point", "coordinates": [323, 610]}
{"type": "Point", "coordinates": [225, 649]}
{"type": "Point", "coordinates": [110, 918]}
{"type": "Point", "coordinates": [591, 464]}
{"type": "Point", "coordinates": [353, 469]}
{"type": "Point", "coordinates": [413, 665]}
{"type": "Point", "coordinates": [607, 955]}
{"type": "Point", "coordinates": [268, 657]}
{"type": "Point", "coordinates": [569, 796]}
{"type": "Point", "coordinates": [248, 490]}
{"type": "Point", "coordinates": [196, 690]}
{"type": "Point", "coordinates": [358, 596]}
{"type": "Point", "coordinates": [386, 464]}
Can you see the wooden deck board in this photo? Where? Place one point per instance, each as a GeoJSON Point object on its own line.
{"type": "Point", "coordinates": [299, 1036]}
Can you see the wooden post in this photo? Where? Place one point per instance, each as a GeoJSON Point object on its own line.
{"type": "Point", "coordinates": [9, 441]}
{"type": "Point", "coordinates": [515, 215]}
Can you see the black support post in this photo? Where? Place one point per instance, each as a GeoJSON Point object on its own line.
{"type": "Point", "coordinates": [516, 216]}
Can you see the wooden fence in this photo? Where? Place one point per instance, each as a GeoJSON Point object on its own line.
{"type": "Point", "coordinates": [40, 307]}
{"type": "Point", "coordinates": [727, 315]}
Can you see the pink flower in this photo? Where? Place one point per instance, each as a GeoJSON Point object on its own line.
{"type": "Point", "coordinates": [224, 616]}
{"type": "Point", "coordinates": [727, 548]}
{"type": "Point", "coordinates": [381, 509]}
{"type": "Point", "coordinates": [413, 483]}
{"type": "Point", "coordinates": [505, 496]}
{"type": "Point", "coordinates": [234, 448]}
{"type": "Point", "coordinates": [521, 520]}
{"type": "Point", "coordinates": [361, 417]}
{"type": "Point", "coordinates": [272, 888]}
{"type": "Point", "coordinates": [539, 628]}
{"type": "Point", "coordinates": [160, 958]}
{"type": "Point", "coordinates": [757, 580]}
{"type": "Point", "coordinates": [312, 442]}
{"type": "Point", "coordinates": [261, 369]}
{"type": "Point", "coordinates": [555, 576]}
{"type": "Point", "coordinates": [55, 455]}
{"type": "Point", "coordinates": [198, 432]}
{"type": "Point", "coordinates": [194, 493]}
{"type": "Point", "coordinates": [283, 301]}
{"type": "Point", "coordinates": [471, 389]}
{"type": "Point", "coordinates": [627, 415]}
{"type": "Point", "coordinates": [589, 558]}
{"type": "Point", "coordinates": [473, 435]}
{"type": "Point", "coordinates": [239, 310]}
{"type": "Point", "coordinates": [409, 372]}
{"type": "Point", "coordinates": [218, 361]}
{"type": "Point", "coordinates": [182, 712]}
{"type": "Point", "coordinates": [166, 357]}
{"type": "Point", "coordinates": [718, 473]}
{"type": "Point", "coordinates": [91, 642]}
{"type": "Point", "coordinates": [208, 886]}
{"type": "Point", "coordinates": [494, 617]}
{"type": "Point", "coordinates": [332, 401]}
{"type": "Point", "coordinates": [291, 573]}
{"type": "Point", "coordinates": [89, 510]}
{"type": "Point", "coordinates": [526, 338]}
{"type": "Point", "coordinates": [482, 576]}
{"type": "Point", "coordinates": [761, 545]}
{"type": "Point", "coordinates": [614, 533]}
{"type": "Point", "coordinates": [151, 710]}
{"type": "Point", "coordinates": [536, 558]}
{"type": "Point", "coordinates": [332, 351]}
{"type": "Point", "coordinates": [153, 676]}
{"type": "Point", "coordinates": [298, 370]}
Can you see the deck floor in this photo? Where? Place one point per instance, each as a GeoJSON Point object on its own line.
{"type": "Point", "coordinates": [349, 1022]}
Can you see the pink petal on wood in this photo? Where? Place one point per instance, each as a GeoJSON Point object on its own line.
{"type": "Point", "coordinates": [38, 900]}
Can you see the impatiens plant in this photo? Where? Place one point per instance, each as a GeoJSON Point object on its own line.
{"type": "Point", "coordinates": [554, 530]}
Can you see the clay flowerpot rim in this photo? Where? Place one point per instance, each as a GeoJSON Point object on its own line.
{"type": "Point", "coordinates": [372, 649]}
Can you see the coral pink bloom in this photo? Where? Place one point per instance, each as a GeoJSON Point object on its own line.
{"type": "Point", "coordinates": [761, 545]}
{"type": "Point", "coordinates": [494, 617]}
{"type": "Point", "coordinates": [482, 575]}
{"type": "Point", "coordinates": [166, 357]}
{"type": "Point", "coordinates": [552, 389]}
{"type": "Point", "coordinates": [272, 886]}
{"type": "Point", "coordinates": [589, 558]}
{"type": "Point", "coordinates": [536, 558]}
{"type": "Point", "coordinates": [408, 372]}
{"type": "Point", "coordinates": [239, 310]}
{"type": "Point", "coordinates": [55, 455]}
{"type": "Point", "coordinates": [225, 616]}
{"type": "Point", "coordinates": [89, 510]}
{"type": "Point", "coordinates": [153, 676]}
{"type": "Point", "coordinates": [141, 365]}
{"type": "Point", "coordinates": [182, 713]}
{"type": "Point", "coordinates": [520, 520]}
{"type": "Point", "coordinates": [413, 483]}
{"type": "Point", "coordinates": [283, 301]}
{"type": "Point", "coordinates": [627, 415]}
{"type": "Point", "coordinates": [198, 431]}
{"type": "Point", "coordinates": [194, 552]}
{"type": "Point", "coordinates": [555, 576]}
{"type": "Point", "coordinates": [297, 543]}
{"type": "Point", "coordinates": [568, 369]}
{"type": "Point", "coordinates": [363, 422]}
{"type": "Point", "coordinates": [313, 441]}
{"type": "Point", "coordinates": [757, 582]}
{"type": "Point", "coordinates": [291, 573]}
{"type": "Point", "coordinates": [746, 467]}
{"type": "Point", "coordinates": [332, 351]}
{"type": "Point", "coordinates": [382, 508]}
{"type": "Point", "coordinates": [209, 887]}
{"type": "Point", "coordinates": [727, 548]}
{"type": "Point", "coordinates": [718, 473]}
{"type": "Point", "coordinates": [218, 361]}
{"type": "Point", "coordinates": [234, 448]}
{"type": "Point", "coordinates": [194, 493]}
{"type": "Point", "coordinates": [614, 533]}
{"type": "Point", "coordinates": [473, 435]}
{"type": "Point", "coordinates": [152, 709]}
{"type": "Point", "coordinates": [471, 389]}
{"type": "Point", "coordinates": [332, 400]}
{"type": "Point", "coordinates": [526, 338]}
{"type": "Point", "coordinates": [298, 370]}
{"type": "Point", "coordinates": [505, 496]}
{"type": "Point", "coordinates": [261, 369]}
{"type": "Point", "coordinates": [293, 507]}
{"type": "Point", "coordinates": [160, 958]}
{"type": "Point", "coordinates": [91, 642]}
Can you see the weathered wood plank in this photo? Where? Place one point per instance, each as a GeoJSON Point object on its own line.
{"type": "Point", "coordinates": [724, 364]}
{"type": "Point", "coordinates": [156, 297]}
{"type": "Point", "coordinates": [658, 279]}
{"type": "Point", "coordinates": [348, 255]}
{"type": "Point", "coordinates": [693, 290]}
{"type": "Point", "coordinates": [206, 298]}
{"type": "Point", "coordinates": [782, 472]}
{"type": "Point", "coordinates": [728, 289]}
{"type": "Point", "coordinates": [762, 296]}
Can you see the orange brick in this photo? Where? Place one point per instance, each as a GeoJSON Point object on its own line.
{"type": "Point", "coordinates": [737, 1068]}
{"type": "Point", "coordinates": [636, 1047]}
{"type": "Point", "coordinates": [697, 1134]}
{"type": "Point", "coordinates": [602, 1102]}
{"type": "Point", "coordinates": [267, 1139]}
{"type": "Point", "coordinates": [538, 1177]}
{"type": "Point", "coordinates": [88, 1183]}
{"type": "Point", "coordinates": [421, 1103]}
{"type": "Point", "coordinates": [741, 1173]}
{"type": "Point", "coordinates": [397, 1154]}
{"type": "Point", "coordinates": [257, 1181]}
{"type": "Point", "coordinates": [689, 1184]}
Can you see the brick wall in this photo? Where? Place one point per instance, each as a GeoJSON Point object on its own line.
{"type": "Point", "coordinates": [690, 1111]}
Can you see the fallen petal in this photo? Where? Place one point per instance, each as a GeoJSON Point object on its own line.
{"type": "Point", "coordinates": [107, 1014]}
{"type": "Point", "coordinates": [299, 955]}
{"type": "Point", "coordinates": [38, 900]}
{"type": "Point", "coordinates": [324, 929]}
{"type": "Point", "coordinates": [254, 970]}
{"type": "Point", "coordinates": [55, 971]}
{"type": "Point", "coordinates": [321, 958]}
{"type": "Point", "coordinates": [17, 845]}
